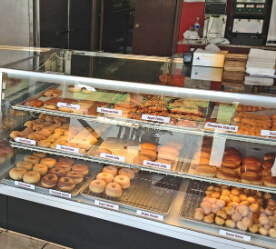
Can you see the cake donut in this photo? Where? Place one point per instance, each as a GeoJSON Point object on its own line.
{"type": "Point", "coordinates": [97, 186]}
{"type": "Point", "coordinates": [32, 159]}
{"type": "Point", "coordinates": [113, 189]}
{"type": "Point", "coordinates": [27, 165]}
{"type": "Point", "coordinates": [67, 160]}
{"type": "Point", "coordinates": [17, 173]}
{"type": "Point", "coordinates": [50, 162]}
{"type": "Point", "coordinates": [107, 177]}
{"type": "Point", "coordinates": [76, 176]}
{"type": "Point", "coordinates": [80, 168]}
{"type": "Point", "coordinates": [49, 181]}
{"type": "Point", "coordinates": [110, 169]}
{"type": "Point", "coordinates": [31, 177]}
{"type": "Point", "coordinates": [39, 154]}
{"type": "Point", "coordinates": [123, 181]}
{"type": "Point", "coordinates": [58, 172]}
{"type": "Point", "coordinates": [127, 172]}
{"type": "Point", "coordinates": [66, 184]}
{"type": "Point", "coordinates": [63, 165]}
{"type": "Point", "coordinates": [42, 169]}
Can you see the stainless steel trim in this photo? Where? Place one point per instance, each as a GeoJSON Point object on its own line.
{"type": "Point", "coordinates": [36, 23]}
{"type": "Point", "coordinates": [19, 48]}
{"type": "Point", "coordinates": [31, 22]}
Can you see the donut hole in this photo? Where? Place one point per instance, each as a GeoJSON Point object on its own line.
{"type": "Point", "coordinates": [50, 177]}
{"type": "Point", "coordinates": [66, 180]}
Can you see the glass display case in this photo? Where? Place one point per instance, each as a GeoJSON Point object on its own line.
{"type": "Point", "coordinates": [143, 141]}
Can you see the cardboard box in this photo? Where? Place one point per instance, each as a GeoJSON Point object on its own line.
{"type": "Point", "coordinates": [209, 59]}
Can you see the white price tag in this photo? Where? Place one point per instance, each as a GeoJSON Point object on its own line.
{"type": "Point", "coordinates": [24, 185]}
{"type": "Point", "coordinates": [69, 106]}
{"type": "Point", "coordinates": [235, 235]}
{"type": "Point", "coordinates": [268, 133]}
{"type": "Point", "coordinates": [67, 148]}
{"type": "Point", "coordinates": [159, 119]}
{"type": "Point", "coordinates": [223, 127]}
{"type": "Point", "coordinates": [109, 111]}
{"type": "Point", "coordinates": [157, 165]}
{"type": "Point", "coordinates": [113, 157]}
{"type": "Point", "coordinates": [273, 169]}
{"type": "Point", "coordinates": [106, 205]}
{"type": "Point", "coordinates": [59, 193]}
{"type": "Point", "coordinates": [150, 215]}
{"type": "Point", "coordinates": [25, 141]}
{"type": "Point", "coordinates": [217, 152]}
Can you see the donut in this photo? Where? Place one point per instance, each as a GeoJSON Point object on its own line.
{"type": "Point", "coordinates": [42, 169]}
{"type": "Point", "coordinates": [73, 89]}
{"type": "Point", "coordinates": [149, 146]}
{"type": "Point", "coordinates": [110, 169]}
{"type": "Point", "coordinates": [31, 177]}
{"type": "Point", "coordinates": [39, 154]}
{"type": "Point", "coordinates": [123, 180]}
{"type": "Point", "coordinates": [81, 168]}
{"type": "Point", "coordinates": [148, 153]}
{"type": "Point", "coordinates": [139, 160]}
{"type": "Point", "coordinates": [66, 184]}
{"type": "Point", "coordinates": [17, 173]}
{"type": "Point", "coordinates": [113, 189]}
{"type": "Point", "coordinates": [127, 172]}
{"type": "Point", "coordinates": [32, 159]}
{"type": "Point", "coordinates": [58, 172]}
{"type": "Point", "coordinates": [49, 181]}
{"type": "Point", "coordinates": [34, 103]}
{"type": "Point", "coordinates": [63, 165]}
{"type": "Point", "coordinates": [98, 152]}
{"type": "Point", "coordinates": [97, 186]}
{"type": "Point", "coordinates": [67, 160]}
{"type": "Point", "coordinates": [44, 143]}
{"type": "Point", "coordinates": [50, 162]}
{"type": "Point", "coordinates": [76, 176]}
{"type": "Point", "coordinates": [52, 92]}
{"type": "Point", "coordinates": [27, 165]}
{"type": "Point", "coordinates": [107, 177]}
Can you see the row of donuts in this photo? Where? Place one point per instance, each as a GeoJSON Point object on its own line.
{"type": "Point", "coordinates": [51, 173]}
{"type": "Point", "coordinates": [112, 181]}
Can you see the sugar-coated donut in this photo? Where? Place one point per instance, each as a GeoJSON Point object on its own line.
{"type": "Point", "coordinates": [50, 162]}
{"type": "Point", "coordinates": [111, 169]}
{"type": "Point", "coordinates": [127, 172]}
{"type": "Point", "coordinates": [107, 177]}
{"type": "Point", "coordinates": [42, 169]}
{"type": "Point", "coordinates": [31, 177]}
{"type": "Point", "coordinates": [76, 176]}
{"type": "Point", "coordinates": [17, 173]}
{"type": "Point", "coordinates": [97, 186]}
{"type": "Point", "coordinates": [83, 168]}
{"type": "Point", "coordinates": [123, 180]}
{"type": "Point", "coordinates": [49, 181]}
{"type": "Point", "coordinates": [39, 154]}
{"type": "Point", "coordinates": [66, 184]}
{"type": "Point", "coordinates": [58, 172]}
{"type": "Point", "coordinates": [32, 159]}
{"type": "Point", "coordinates": [27, 165]}
{"type": "Point", "coordinates": [63, 165]}
{"type": "Point", "coordinates": [113, 189]}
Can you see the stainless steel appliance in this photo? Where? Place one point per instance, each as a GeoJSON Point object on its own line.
{"type": "Point", "coordinates": [215, 19]}
{"type": "Point", "coordinates": [271, 38]}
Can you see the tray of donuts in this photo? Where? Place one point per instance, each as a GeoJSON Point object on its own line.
{"type": "Point", "coordinates": [241, 211]}
{"type": "Point", "coordinates": [132, 189]}
{"type": "Point", "coordinates": [60, 176]}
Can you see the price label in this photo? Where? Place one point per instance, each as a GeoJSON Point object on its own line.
{"type": "Point", "coordinates": [223, 127]}
{"type": "Point", "coordinates": [217, 152]}
{"type": "Point", "coordinates": [69, 106]}
{"type": "Point", "coordinates": [25, 141]}
{"type": "Point", "coordinates": [150, 215]}
{"type": "Point", "coordinates": [159, 119]}
{"type": "Point", "coordinates": [235, 235]}
{"type": "Point", "coordinates": [59, 193]}
{"type": "Point", "coordinates": [24, 185]}
{"type": "Point", "coordinates": [157, 165]}
{"type": "Point", "coordinates": [106, 205]}
{"type": "Point", "coordinates": [109, 111]}
{"type": "Point", "coordinates": [113, 157]}
{"type": "Point", "coordinates": [268, 133]}
{"type": "Point", "coordinates": [273, 169]}
{"type": "Point", "coordinates": [67, 148]}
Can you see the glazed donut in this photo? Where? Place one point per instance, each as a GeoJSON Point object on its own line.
{"type": "Point", "coordinates": [49, 181]}
{"type": "Point", "coordinates": [98, 152]}
{"type": "Point", "coordinates": [27, 165]}
{"type": "Point", "coordinates": [32, 159]}
{"type": "Point", "coordinates": [31, 177]}
{"type": "Point", "coordinates": [34, 103]}
{"type": "Point", "coordinates": [107, 177]}
{"type": "Point", "coordinates": [63, 165]}
{"type": "Point", "coordinates": [110, 169]}
{"type": "Point", "coordinates": [17, 173]}
{"type": "Point", "coordinates": [58, 172]}
{"type": "Point", "coordinates": [148, 153]}
{"type": "Point", "coordinates": [97, 186]}
{"type": "Point", "coordinates": [67, 160]}
{"type": "Point", "coordinates": [39, 154]}
{"type": "Point", "coordinates": [113, 189]}
{"type": "Point", "coordinates": [76, 176]}
{"type": "Point", "coordinates": [127, 172]}
{"type": "Point", "coordinates": [44, 144]}
{"type": "Point", "coordinates": [50, 162]}
{"type": "Point", "coordinates": [66, 184]}
{"type": "Point", "coordinates": [42, 169]}
{"type": "Point", "coordinates": [80, 168]}
{"type": "Point", "coordinates": [123, 180]}
{"type": "Point", "coordinates": [74, 89]}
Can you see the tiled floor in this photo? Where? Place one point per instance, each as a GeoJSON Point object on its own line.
{"type": "Point", "coordinates": [12, 240]}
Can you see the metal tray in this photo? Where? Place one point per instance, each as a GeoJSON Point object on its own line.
{"type": "Point", "coordinates": [193, 197]}
{"type": "Point", "coordinates": [149, 192]}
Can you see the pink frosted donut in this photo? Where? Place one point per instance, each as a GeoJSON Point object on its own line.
{"type": "Point", "coordinates": [110, 169]}
{"type": "Point", "coordinates": [122, 180]}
